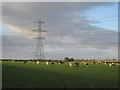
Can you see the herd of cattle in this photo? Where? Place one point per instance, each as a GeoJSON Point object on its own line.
{"type": "Point", "coordinates": [78, 63]}
{"type": "Point", "coordinates": [72, 64]}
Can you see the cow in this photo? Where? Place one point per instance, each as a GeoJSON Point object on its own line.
{"type": "Point", "coordinates": [37, 62]}
{"type": "Point", "coordinates": [83, 62]}
{"type": "Point", "coordinates": [61, 62]}
{"type": "Point", "coordinates": [76, 64]}
{"type": "Point", "coordinates": [46, 63]}
{"type": "Point", "coordinates": [25, 62]}
{"type": "Point", "coordinates": [86, 64]}
{"type": "Point", "coordinates": [52, 62]}
{"type": "Point", "coordinates": [57, 62]}
{"type": "Point", "coordinates": [29, 61]}
{"type": "Point", "coordinates": [107, 62]}
{"type": "Point", "coordinates": [70, 64]}
{"type": "Point", "coordinates": [112, 64]}
{"type": "Point", "coordinates": [99, 63]}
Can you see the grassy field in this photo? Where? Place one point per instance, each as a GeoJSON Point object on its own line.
{"type": "Point", "coordinates": [32, 75]}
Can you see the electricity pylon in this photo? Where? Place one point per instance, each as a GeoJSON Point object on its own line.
{"type": "Point", "coordinates": [39, 51]}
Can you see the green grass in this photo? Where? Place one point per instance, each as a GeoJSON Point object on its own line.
{"type": "Point", "coordinates": [32, 75]}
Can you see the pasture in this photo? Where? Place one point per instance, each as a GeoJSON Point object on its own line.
{"type": "Point", "coordinates": [31, 75]}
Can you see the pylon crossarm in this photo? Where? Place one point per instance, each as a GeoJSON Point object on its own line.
{"type": "Point", "coordinates": [38, 31]}
{"type": "Point", "coordinates": [38, 38]}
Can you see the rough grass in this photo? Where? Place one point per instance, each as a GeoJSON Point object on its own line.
{"type": "Point", "coordinates": [32, 75]}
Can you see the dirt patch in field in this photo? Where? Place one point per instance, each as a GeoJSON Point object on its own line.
{"type": "Point", "coordinates": [69, 83]}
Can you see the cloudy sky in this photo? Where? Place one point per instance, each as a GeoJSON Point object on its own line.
{"type": "Point", "coordinates": [82, 30]}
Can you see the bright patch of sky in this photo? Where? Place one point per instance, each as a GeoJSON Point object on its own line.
{"type": "Point", "coordinates": [0, 29]}
{"type": "Point", "coordinates": [107, 17]}
{"type": "Point", "coordinates": [5, 30]}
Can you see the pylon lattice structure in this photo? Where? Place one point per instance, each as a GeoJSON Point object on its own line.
{"type": "Point", "coordinates": [39, 51]}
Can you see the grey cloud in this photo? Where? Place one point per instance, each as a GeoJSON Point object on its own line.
{"type": "Point", "coordinates": [15, 41]}
{"type": "Point", "coordinates": [23, 14]}
{"type": "Point", "coordinates": [16, 46]}
{"type": "Point", "coordinates": [68, 29]}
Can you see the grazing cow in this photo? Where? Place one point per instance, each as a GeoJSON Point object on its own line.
{"type": "Point", "coordinates": [76, 64]}
{"type": "Point", "coordinates": [70, 64]}
{"type": "Point", "coordinates": [112, 64]}
{"type": "Point", "coordinates": [117, 64]}
{"type": "Point", "coordinates": [29, 61]}
{"type": "Point", "coordinates": [57, 62]}
{"type": "Point", "coordinates": [61, 62]}
{"type": "Point", "coordinates": [99, 63]}
{"type": "Point", "coordinates": [37, 62]}
{"type": "Point", "coordinates": [25, 61]}
{"type": "Point", "coordinates": [9, 59]}
{"type": "Point", "coordinates": [52, 62]}
{"type": "Point", "coordinates": [46, 63]}
{"type": "Point", "coordinates": [83, 62]}
{"type": "Point", "coordinates": [86, 64]}
{"type": "Point", "coordinates": [107, 62]}
{"type": "Point", "coordinates": [93, 62]}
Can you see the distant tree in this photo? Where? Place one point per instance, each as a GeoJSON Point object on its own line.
{"type": "Point", "coordinates": [71, 59]}
{"type": "Point", "coordinates": [66, 59]}
{"type": "Point", "coordinates": [82, 59]}
{"type": "Point", "coordinates": [114, 59]}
